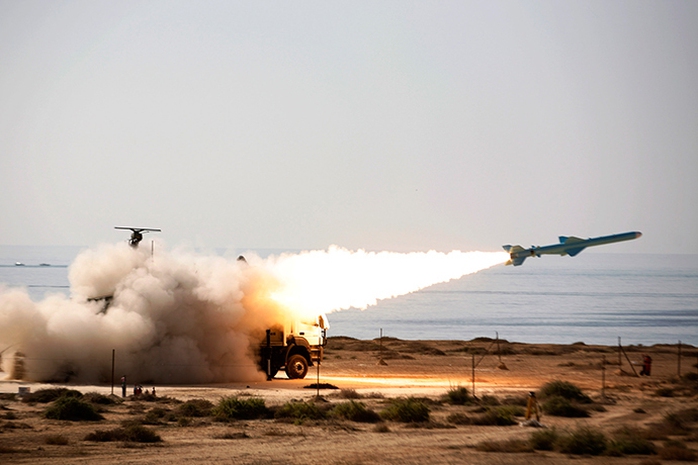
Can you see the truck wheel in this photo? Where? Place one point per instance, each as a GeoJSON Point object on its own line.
{"type": "Point", "coordinates": [296, 367]}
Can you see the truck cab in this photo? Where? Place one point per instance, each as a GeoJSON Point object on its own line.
{"type": "Point", "coordinates": [294, 347]}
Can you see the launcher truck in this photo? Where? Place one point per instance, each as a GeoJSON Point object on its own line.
{"type": "Point", "coordinates": [293, 347]}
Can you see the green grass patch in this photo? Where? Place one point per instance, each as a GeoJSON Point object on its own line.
{"type": "Point", "coordinates": [565, 390]}
{"type": "Point", "coordinates": [583, 441]}
{"type": "Point", "coordinates": [495, 416]}
{"type": "Point", "coordinates": [544, 439]}
{"type": "Point", "coordinates": [355, 411]}
{"type": "Point", "coordinates": [300, 411]}
{"type": "Point", "coordinates": [562, 407]}
{"type": "Point", "coordinates": [458, 396]}
{"type": "Point", "coordinates": [407, 410]}
{"type": "Point", "coordinates": [235, 408]}
{"type": "Point", "coordinates": [630, 441]}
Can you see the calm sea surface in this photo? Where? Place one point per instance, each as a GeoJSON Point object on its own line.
{"type": "Point", "coordinates": [594, 298]}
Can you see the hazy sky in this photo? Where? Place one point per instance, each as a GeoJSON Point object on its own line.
{"type": "Point", "coordinates": [379, 125]}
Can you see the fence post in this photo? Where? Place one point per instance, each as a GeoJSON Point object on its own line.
{"type": "Point", "coordinates": [112, 371]}
{"type": "Point", "coordinates": [473, 362]}
{"type": "Point", "coordinates": [603, 377]}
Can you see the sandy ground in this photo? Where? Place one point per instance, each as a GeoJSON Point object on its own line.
{"type": "Point", "coordinates": [412, 368]}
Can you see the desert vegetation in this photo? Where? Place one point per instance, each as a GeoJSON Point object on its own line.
{"type": "Point", "coordinates": [369, 423]}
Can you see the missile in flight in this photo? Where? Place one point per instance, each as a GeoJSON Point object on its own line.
{"type": "Point", "coordinates": [568, 246]}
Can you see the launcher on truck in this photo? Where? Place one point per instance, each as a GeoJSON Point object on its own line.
{"type": "Point", "coordinates": [294, 347]}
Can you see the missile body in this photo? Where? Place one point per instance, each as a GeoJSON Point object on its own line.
{"type": "Point", "coordinates": [568, 246]}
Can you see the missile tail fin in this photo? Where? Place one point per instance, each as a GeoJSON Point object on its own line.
{"type": "Point", "coordinates": [513, 250]}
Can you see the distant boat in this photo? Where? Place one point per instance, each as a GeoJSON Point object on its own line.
{"type": "Point", "coordinates": [19, 264]}
{"type": "Point", "coordinates": [44, 264]}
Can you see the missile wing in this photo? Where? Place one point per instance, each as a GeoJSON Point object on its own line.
{"type": "Point", "coordinates": [569, 245]}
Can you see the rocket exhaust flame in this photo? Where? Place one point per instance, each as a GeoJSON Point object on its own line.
{"type": "Point", "coordinates": [187, 318]}
{"type": "Point", "coordinates": [337, 279]}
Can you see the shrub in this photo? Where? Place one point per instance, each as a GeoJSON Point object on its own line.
{"type": "Point", "coordinates": [562, 407]}
{"type": "Point", "coordinates": [381, 428]}
{"type": "Point", "coordinates": [499, 416]}
{"type": "Point", "coordinates": [44, 396]}
{"type": "Point", "coordinates": [355, 411]}
{"type": "Point", "coordinates": [300, 411]}
{"type": "Point", "coordinates": [544, 439]}
{"type": "Point", "coordinates": [583, 441]}
{"type": "Point", "coordinates": [195, 408]}
{"type": "Point", "coordinates": [73, 409]}
{"type": "Point", "coordinates": [521, 401]}
{"type": "Point", "coordinates": [56, 440]}
{"type": "Point", "coordinates": [629, 441]}
{"type": "Point", "coordinates": [155, 416]}
{"type": "Point", "coordinates": [677, 450]}
{"type": "Point", "coordinates": [508, 446]}
{"type": "Point", "coordinates": [458, 396]}
{"type": "Point", "coordinates": [677, 422]}
{"type": "Point", "coordinates": [489, 400]}
{"type": "Point", "coordinates": [459, 419]}
{"type": "Point", "coordinates": [409, 410]}
{"type": "Point", "coordinates": [233, 435]}
{"type": "Point", "coordinates": [673, 424]}
{"type": "Point", "coordinates": [233, 408]}
{"type": "Point", "coordinates": [130, 433]}
{"type": "Point", "coordinates": [101, 399]}
{"type": "Point", "coordinates": [689, 414]}
{"type": "Point", "coordinates": [349, 394]}
{"type": "Point", "coordinates": [565, 390]}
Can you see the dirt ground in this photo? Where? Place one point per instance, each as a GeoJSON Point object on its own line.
{"type": "Point", "coordinates": [423, 369]}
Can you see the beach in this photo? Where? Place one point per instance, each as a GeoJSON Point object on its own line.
{"type": "Point", "coordinates": [377, 373]}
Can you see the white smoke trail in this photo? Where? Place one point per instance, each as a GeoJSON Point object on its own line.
{"type": "Point", "coordinates": [185, 318]}
{"type": "Point", "coordinates": [324, 281]}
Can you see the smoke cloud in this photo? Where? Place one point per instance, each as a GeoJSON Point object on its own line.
{"type": "Point", "coordinates": [181, 317]}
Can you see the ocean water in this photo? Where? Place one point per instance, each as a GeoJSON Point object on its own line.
{"type": "Point", "coordinates": [593, 298]}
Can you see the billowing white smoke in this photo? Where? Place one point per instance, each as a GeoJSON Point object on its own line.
{"type": "Point", "coordinates": [186, 318]}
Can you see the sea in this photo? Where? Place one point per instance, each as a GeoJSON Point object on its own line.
{"type": "Point", "coordinates": [594, 298]}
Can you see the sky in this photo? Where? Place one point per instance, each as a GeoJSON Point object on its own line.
{"type": "Point", "coordinates": [389, 125]}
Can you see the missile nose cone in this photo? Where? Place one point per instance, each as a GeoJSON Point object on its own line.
{"type": "Point", "coordinates": [638, 234]}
